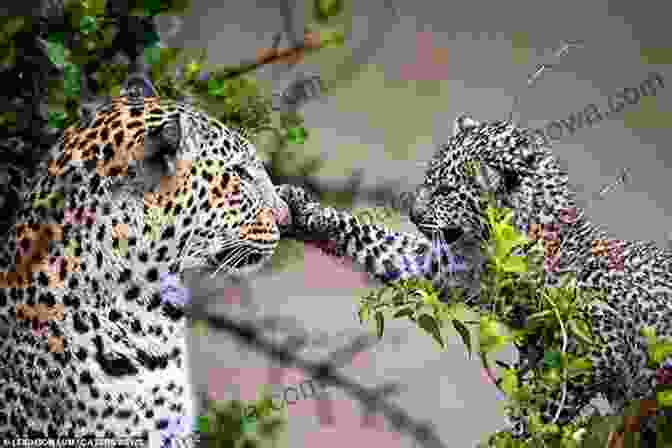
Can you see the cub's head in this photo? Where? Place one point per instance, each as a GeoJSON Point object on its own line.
{"type": "Point", "coordinates": [487, 158]}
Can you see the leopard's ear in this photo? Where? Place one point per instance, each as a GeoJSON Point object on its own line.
{"type": "Point", "coordinates": [137, 86]}
{"type": "Point", "coordinates": [463, 122]}
{"type": "Point", "coordinates": [162, 146]}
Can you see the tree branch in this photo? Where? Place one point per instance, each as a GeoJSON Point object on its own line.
{"type": "Point", "coordinates": [323, 372]}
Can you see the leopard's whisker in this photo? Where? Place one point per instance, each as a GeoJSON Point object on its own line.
{"type": "Point", "coordinates": [242, 254]}
{"type": "Point", "coordinates": [233, 259]}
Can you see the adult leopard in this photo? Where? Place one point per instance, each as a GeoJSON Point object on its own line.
{"type": "Point", "coordinates": [524, 176]}
{"type": "Point", "coordinates": [113, 361]}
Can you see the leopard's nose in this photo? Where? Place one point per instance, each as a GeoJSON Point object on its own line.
{"type": "Point", "coordinates": [265, 219]}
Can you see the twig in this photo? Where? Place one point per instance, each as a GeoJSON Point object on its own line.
{"type": "Point", "coordinates": [273, 55]}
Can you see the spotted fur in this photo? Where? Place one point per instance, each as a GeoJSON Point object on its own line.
{"type": "Point", "coordinates": [113, 361]}
{"type": "Point", "coordinates": [509, 162]}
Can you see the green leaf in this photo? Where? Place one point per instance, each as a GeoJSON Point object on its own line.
{"type": "Point", "coordinates": [332, 39]}
{"type": "Point", "coordinates": [552, 359]}
{"type": "Point", "coordinates": [399, 298]}
{"type": "Point", "coordinates": [464, 334]}
{"type": "Point", "coordinates": [660, 351]}
{"type": "Point", "coordinates": [12, 26]}
{"type": "Point", "coordinates": [552, 376]}
{"type": "Point", "coordinates": [249, 425]}
{"type": "Point", "coordinates": [297, 135]}
{"type": "Point", "coordinates": [406, 311]}
{"type": "Point", "coordinates": [152, 55]}
{"type": "Point", "coordinates": [457, 310]}
{"type": "Point", "coordinates": [506, 238]}
{"type": "Point", "coordinates": [56, 53]}
{"type": "Point", "coordinates": [522, 394]}
{"type": "Point", "coordinates": [217, 87]}
{"type": "Point", "coordinates": [71, 81]}
{"type": "Point", "coordinates": [650, 334]}
{"type": "Point", "coordinates": [579, 366]}
{"type": "Point", "coordinates": [87, 24]}
{"type": "Point", "coordinates": [326, 9]}
{"type": "Point", "coordinates": [493, 335]}
{"type": "Point", "coordinates": [515, 264]}
{"type": "Point", "coordinates": [509, 383]}
{"type": "Point", "coordinates": [153, 7]}
{"type": "Point", "coordinates": [582, 330]}
{"type": "Point", "coordinates": [429, 324]}
{"type": "Point", "coordinates": [380, 323]}
{"type": "Point", "coordinates": [363, 313]}
{"type": "Point", "coordinates": [431, 299]}
{"type": "Point", "coordinates": [56, 119]}
{"type": "Point", "coordinates": [664, 398]}
{"type": "Point", "coordinates": [203, 426]}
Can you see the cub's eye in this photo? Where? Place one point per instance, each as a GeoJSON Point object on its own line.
{"type": "Point", "coordinates": [444, 190]}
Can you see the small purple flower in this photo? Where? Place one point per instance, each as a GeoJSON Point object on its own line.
{"type": "Point", "coordinates": [524, 228]}
{"type": "Point", "coordinates": [668, 363]}
{"type": "Point", "coordinates": [167, 279]}
{"type": "Point", "coordinates": [392, 275]}
{"type": "Point", "coordinates": [203, 76]}
{"type": "Point", "coordinates": [456, 263]}
{"type": "Point", "coordinates": [176, 297]}
{"type": "Point", "coordinates": [178, 428]}
{"type": "Point", "coordinates": [172, 290]}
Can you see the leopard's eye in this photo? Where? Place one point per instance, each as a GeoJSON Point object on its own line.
{"type": "Point", "coordinates": [242, 171]}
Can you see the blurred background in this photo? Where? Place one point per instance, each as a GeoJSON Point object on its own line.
{"type": "Point", "coordinates": [410, 68]}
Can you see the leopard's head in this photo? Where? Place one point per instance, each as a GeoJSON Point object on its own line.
{"type": "Point", "coordinates": [481, 160]}
{"type": "Point", "coordinates": [201, 184]}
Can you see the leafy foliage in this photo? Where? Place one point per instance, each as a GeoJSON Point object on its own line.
{"type": "Point", "coordinates": [513, 279]}
{"type": "Point", "coordinates": [231, 425]}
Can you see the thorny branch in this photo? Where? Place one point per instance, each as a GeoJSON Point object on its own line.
{"type": "Point", "coordinates": [324, 372]}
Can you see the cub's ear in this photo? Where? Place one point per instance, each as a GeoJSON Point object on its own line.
{"type": "Point", "coordinates": [463, 122]}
